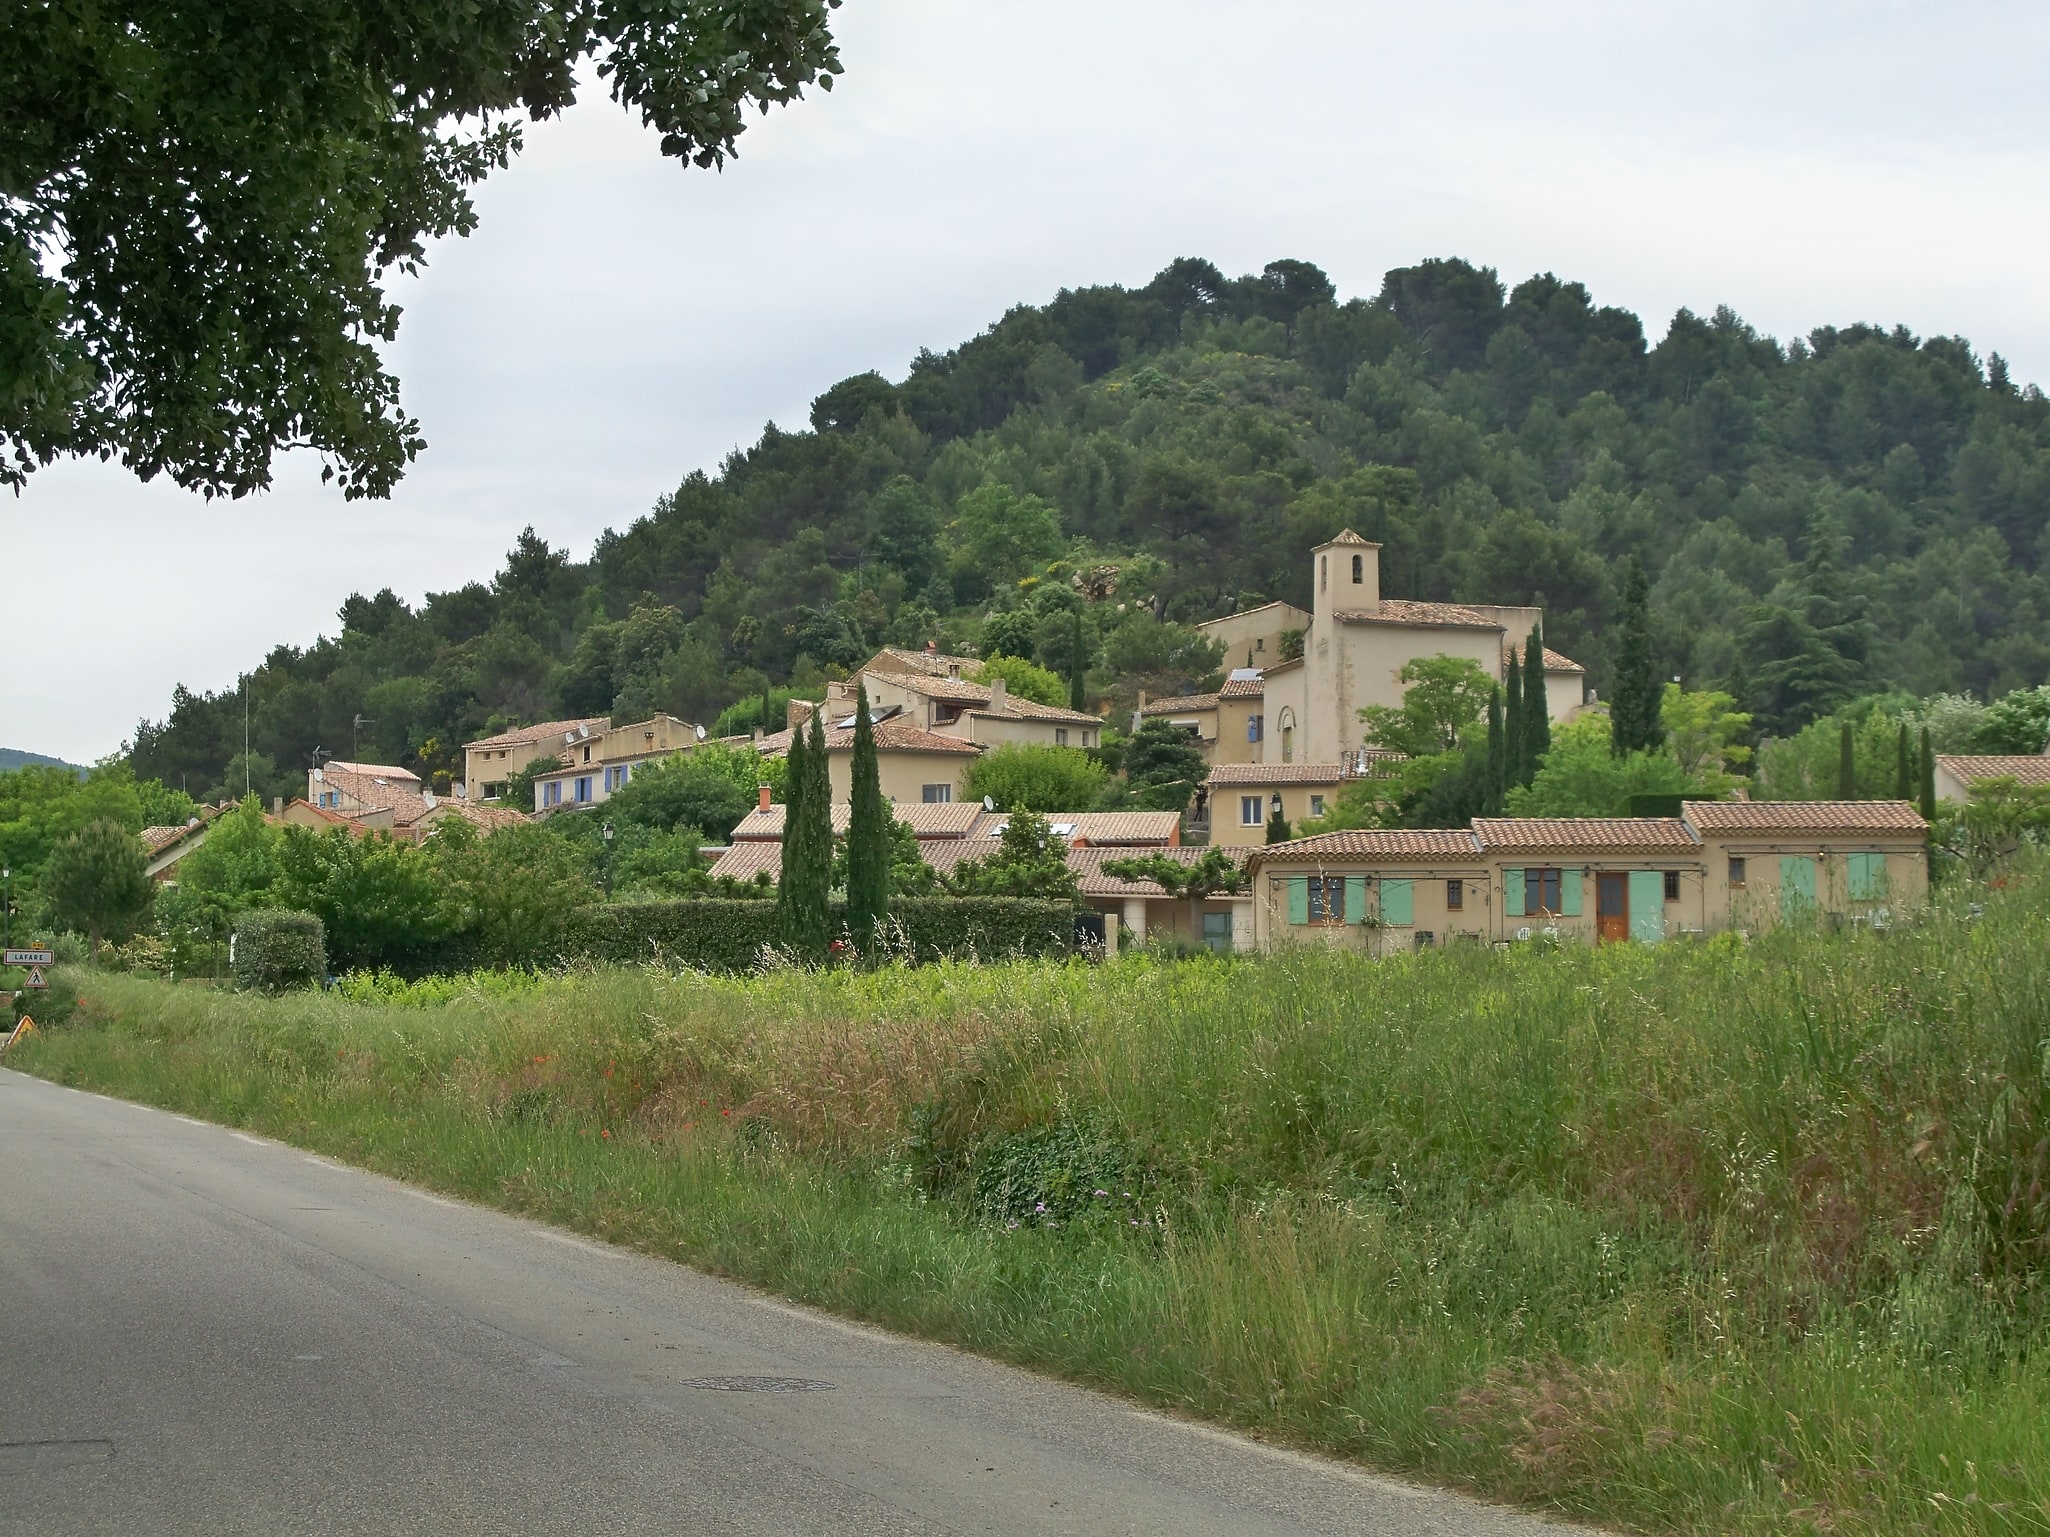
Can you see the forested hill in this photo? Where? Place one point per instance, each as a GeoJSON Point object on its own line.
{"type": "Point", "coordinates": [1854, 510]}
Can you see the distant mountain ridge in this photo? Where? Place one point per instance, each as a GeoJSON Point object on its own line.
{"type": "Point", "coordinates": [12, 758]}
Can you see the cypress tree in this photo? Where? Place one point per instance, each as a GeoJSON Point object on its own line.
{"type": "Point", "coordinates": [1497, 756]}
{"type": "Point", "coordinates": [1537, 714]}
{"type": "Point", "coordinates": [868, 833]}
{"type": "Point", "coordinates": [1634, 712]}
{"type": "Point", "coordinates": [795, 783]}
{"type": "Point", "coordinates": [1076, 661]}
{"type": "Point", "coordinates": [1513, 740]}
{"type": "Point", "coordinates": [1903, 776]}
{"type": "Point", "coordinates": [1846, 767]}
{"type": "Point", "coordinates": [807, 844]}
{"type": "Point", "coordinates": [1928, 778]}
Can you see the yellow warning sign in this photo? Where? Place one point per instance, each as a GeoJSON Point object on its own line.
{"type": "Point", "coordinates": [26, 1027]}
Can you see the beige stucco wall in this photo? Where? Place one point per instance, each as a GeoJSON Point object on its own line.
{"type": "Point", "coordinates": [903, 775]}
{"type": "Point", "coordinates": [1232, 721]}
{"type": "Point", "coordinates": [492, 766]}
{"type": "Point", "coordinates": [1687, 914]}
{"type": "Point", "coordinates": [1349, 666]}
{"type": "Point", "coordinates": [1228, 831]}
{"type": "Point", "coordinates": [1272, 929]}
{"type": "Point", "coordinates": [995, 730]}
{"type": "Point", "coordinates": [1284, 702]}
{"type": "Point", "coordinates": [1257, 632]}
{"type": "Point", "coordinates": [1756, 905]}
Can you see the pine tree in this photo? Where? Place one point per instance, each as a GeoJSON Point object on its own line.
{"type": "Point", "coordinates": [1903, 775]}
{"type": "Point", "coordinates": [1928, 778]}
{"type": "Point", "coordinates": [1537, 715]}
{"type": "Point", "coordinates": [868, 834]}
{"type": "Point", "coordinates": [1077, 659]}
{"type": "Point", "coordinates": [1498, 761]}
{"type": "Point", "coordinates": [1634, 710]}
{"type": "Point", "coordinates": [1513, 741]}
{"type": "Point", "coordinates": [1846, 766]}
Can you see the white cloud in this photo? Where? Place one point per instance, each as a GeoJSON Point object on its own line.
{"type": "Point", "coordinates": [618, 321]}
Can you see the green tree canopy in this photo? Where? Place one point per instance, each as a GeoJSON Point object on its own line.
{"type": "Point", "coordinates": [93, 882]}
{"type": "Point", "coordinates": [1025, 680]}
{"type": "Point", "coordinates": [228, 191]}
{"type": "Point", "coordinates": [1163, 765]}
{"type": "Point", "coordinates": [1026, 776]}
{"type": "Point", "coordinates": [1582, 776]}
{"type": "Point", "coordinates": [1442, 699]}
{"type": "Point", "coordinates": [1030, 861]}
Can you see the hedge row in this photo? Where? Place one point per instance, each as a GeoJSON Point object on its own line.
{"type": "Point", "coordinates": [717, 934]}
{"type": "Point", "coordinates": [731, 934]}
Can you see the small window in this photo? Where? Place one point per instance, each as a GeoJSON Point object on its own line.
{"type": "Point", "coordinates": [1359, 569]}
{"type": "Point", "coordinates": [936, 795]}
{"type": "Point", "coordinates": [1060, 736]}
{"type": "Point", "coordinates": [1252, 811]}
{"type": "Point", "coordinates": [1260, 643]}
{"type": "Point", "coordinates": [1672, 885]}
{"type": "Point", "coordinates": [1327, 899]}
{"type": "Point", "coordinates": [1316, 805]}
{"type": "Point", "coordinates": [1254, 723]}
{"type": "Point", "coordinates": [1455, 896]}
{"type": "Point", "coordinates": [1541, 892]}
{"type": "Point", "coordinates": [1736, 872]}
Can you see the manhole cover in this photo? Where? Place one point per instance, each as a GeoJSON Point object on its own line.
{"type": "Point", "coordinates": [757, 1384]}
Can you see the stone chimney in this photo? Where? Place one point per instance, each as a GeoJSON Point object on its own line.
{"type": "Point", "coordinates": [277, 805]}
{"type": "Point", "coordinates": [999, 696]}
{"type": "Point", "coordinates": [758, 737]}
{"type": "Point", "coordinates": [762, 797]}
{"type": "Point", "coordinates": [932, 648]}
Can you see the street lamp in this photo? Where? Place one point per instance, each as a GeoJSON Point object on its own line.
{"type": "Point", "coordinates": [606, 833]}
{"type": "Point", "coordinates": [1274, 807]}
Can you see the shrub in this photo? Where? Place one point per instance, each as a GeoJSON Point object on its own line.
{"type": "Point", "coordinates": [276, 949]}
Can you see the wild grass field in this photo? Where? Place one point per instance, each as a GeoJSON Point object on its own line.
{"type": "Point", "coordinates": [1714, 1237]}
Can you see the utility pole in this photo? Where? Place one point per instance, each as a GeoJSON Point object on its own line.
{"type": "Point", "coordinates": [245, 736]}
{"type": "Point", "coordinates": [355, 726]}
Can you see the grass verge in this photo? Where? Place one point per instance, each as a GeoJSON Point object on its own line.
{"type": "Point", "coordinates": [1714, 1237]}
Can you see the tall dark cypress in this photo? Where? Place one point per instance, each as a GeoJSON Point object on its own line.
{"type": "Point", "coordinates": [1077, 664]}
{"type": "Point", "coordinates": [1846, 766]}
{"type": "Point", "coordinates": [1498, 762]}
{"type": "Point", "coordinates": [1514, 769]}
{"type": "Point", "coordinates": [1903, 776]}
{"type": "Point", "coordinates": [1634, 710]}
{"type": "Point", "coordinates": [1928, 778]}
{"type": "Point", "coordinates": [1537, 712]}
{"type": "Point", "coordinates": [807, 880]}
{"type": "Point", "coordinates": [789, 885]}
{"type": "Point", "coordinates": [868, 833]}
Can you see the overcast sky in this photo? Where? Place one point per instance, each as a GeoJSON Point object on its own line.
{"type": "Point", "coordinates": [618, 321]}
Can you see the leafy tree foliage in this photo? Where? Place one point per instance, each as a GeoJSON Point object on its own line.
{"type": "Point", "coordinates": [1443, 698]}
{"type": "Point", "coordinates": [1030, 861]}
{"type": "Point", "coordinates": [1583, 776]}
{"type": "Point", "coordinates": [228, 189]}
{"type": "Point", "coordinates": [1163, 766]}
{"type": "Point", "coordinates": [1025, 680]}
{"type": "Point", "coordinates": [94, 883]}
{"type": "Point", "coordinates": [1025, 776]}
{"type": "Point", "coordinates": [377, 898]}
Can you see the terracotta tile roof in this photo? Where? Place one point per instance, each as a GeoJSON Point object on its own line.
{"type": "Point", "coordinates": [388, 771]}
{"type": "Point", "coordinates": [1972, 769]}
{"type": "Point", "coordinates": [945, 819]}
{"type": "Point", "coordinates": [156, 839]}
{"type": "Point", "coordinates": [935, 665]}
{"type": "Point", "coordinates": [377, 791]}
{"type": "Point", "coordinates": [519, 736]}
{"type": "Point", "coordinates": [485, 818]}
{"type": "Point", "coordinates": [1376, 843]}
{"type": "Point", "coordinates": [1242, 688]}
{"type": "Point", "coordinates": [1413, 612]}
{"type": "Point", "coordinates": [960, 691]}
{"type": "Point", "coordinates": [1347, 536]}
{"type": "Point", "coordinates": [1246, 613]}
{"type": "Point", "coordinates": [1179, 704]}
{"type": "Point", "coordinates": [891, 736]}
{"type": "Point", "coordinates": [1588, 835]}
{"type": "Point", "coordinates": [742, 860]}
{"type": "Point", "coordinates": [1554, 662]}
{"type": "Point", "coordinates": [1095, 881]}
{"type": "Point", "coordinates": [1228, 775]}
{"type": "Point", "coordinates": [1884, 819]}
{"type": "Point", "coordinates": [1135, 829]}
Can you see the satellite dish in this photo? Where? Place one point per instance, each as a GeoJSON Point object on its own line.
{"type": "Point", "coordinates": [319, 776]}
{"type": "Point", "coordinates": [989, 803]}
{"type": "Point", "coordinates": [701, 733]}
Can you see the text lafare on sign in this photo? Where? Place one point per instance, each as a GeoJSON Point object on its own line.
{"type": "Point", "coordinates": [34, 960]}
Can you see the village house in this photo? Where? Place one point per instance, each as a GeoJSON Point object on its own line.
{"type": "Point", "coordinates": [381, 797]}
{"type": "Point", "coordinates": [603, 758]}
{"type": "Point", "coordinates": [915, 766]}
{"type": "Point", "coordinates": [931, 691]}
{"type": "Point", "coordinates": [490, 761]}
{"type": "Point", "coordinates": [1281, 704]}
{"type": "Point", "coordinates": [1743, 864]}
{"type": "Point", "coordinates": [1959, 774]}
{"type": "Point", "coordinates": [1241, 800]}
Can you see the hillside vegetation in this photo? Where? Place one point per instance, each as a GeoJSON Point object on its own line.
{"type": "Point", "coordinates": [1715, 1237]}
{"type": "Point", "coordinates": [1820, 517]}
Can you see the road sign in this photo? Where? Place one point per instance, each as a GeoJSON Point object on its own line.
{"type": "Point", "coordinates": [26, 1027]}
{"type": "Point", "coordinates": [30, 958]}
{"type": "Point", "coordinates": [35, 978]}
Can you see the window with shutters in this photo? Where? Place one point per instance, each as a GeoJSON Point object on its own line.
{"type": "Point", "coordinates": [1254, 723]}
{"type": "Point", "coordinates": [1672, 885]}
{"type": "Point", "coordinates": [1541, 892]}
{"type": "Point", "coordinates": [1736, 872]}
{"type": "Point", "coordinates": [1327, 899]}
{"type": "Point", "coordinates": [1455, 896]}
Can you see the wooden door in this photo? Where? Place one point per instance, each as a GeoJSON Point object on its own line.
{"type": "Point", "coordinates": [1611, 905]}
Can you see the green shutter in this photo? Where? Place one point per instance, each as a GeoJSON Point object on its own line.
{"type": "Point", "coordinates": [1398, 903]}
{"type": "Point", "coordinates": [1298, 899]}
{"type": "Point", "coordinates": [1866, 876]}
{"type": "Point", "coordinates": [1355, 899]}
{"type": "Point", "coordinates": [1512, 893]}
{"type": "Point", "coordinates": [1797, 888]}
{"type": "Point", "coordinates": [1647, 906]}
{"type": "Point", "coordinates": [1569, 893]}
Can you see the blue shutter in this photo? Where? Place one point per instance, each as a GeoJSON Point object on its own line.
{"type": "Point", "coordinates": [1355, 899]}
{"type": "Point", "coordinates": [1797, 888]}
{"type": "Point", "coordinates": [1298, 899]}
{"type": "Point", "coordinates": [1512, 893]}
{"type": "Point", "coordinates": [1866, 877]}
{"type": "Point", "coordinates": [1398, 903]}
{"type": "Point", "coordinates": [1569, 893]}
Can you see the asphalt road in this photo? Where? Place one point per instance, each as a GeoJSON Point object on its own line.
{"type": "Point", "coordinates": [204, 1332]}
